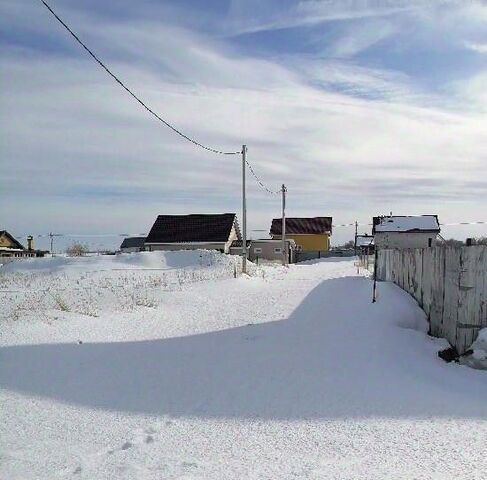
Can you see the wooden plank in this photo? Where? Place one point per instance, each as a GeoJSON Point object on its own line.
{"type": "Point", "coordinates": [426, 262]}
{"type": "Point", "coordinates": [437, 290]}
{"type": "Point", "coordinates": [472, 316]}
{"type": "Point", "coordinates": [452, 296]}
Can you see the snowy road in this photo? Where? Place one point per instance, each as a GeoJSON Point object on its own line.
{"type": "Point", "coordinates": [294, 375]}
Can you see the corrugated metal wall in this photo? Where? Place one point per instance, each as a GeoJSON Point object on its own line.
{"type": "Point", "coordinates": [450, 284]}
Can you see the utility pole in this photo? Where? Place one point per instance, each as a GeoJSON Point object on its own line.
{"type": "Point", "coordinates": [52, 235]}
{"type": "Point", "coordinates": [355, 243]}
{"type": "Point", "coordinates": [283, 232]}
{"type": "Point", "coordinates": [244, 213]}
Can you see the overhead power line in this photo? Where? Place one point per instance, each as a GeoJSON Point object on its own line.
{"type": "Point", "coordinates": [260, 182]}
{"type": "Point", "coordinates": [130, 92]}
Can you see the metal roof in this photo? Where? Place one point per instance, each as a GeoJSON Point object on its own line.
{"type": "Point", "coordinates": [192, 228]}
{"type": "Point", "coordinates": [298, 226]}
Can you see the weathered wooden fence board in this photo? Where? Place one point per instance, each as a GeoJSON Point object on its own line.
{"type": "Point", "coordinates": [450, 284]}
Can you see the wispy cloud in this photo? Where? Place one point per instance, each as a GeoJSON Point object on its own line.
{"type": "Point", "coordinates": [248, 17]}
{"type": "Point", "coordinates": [476, 47]}
{"type": "Point", "coordinates": [348, 139]}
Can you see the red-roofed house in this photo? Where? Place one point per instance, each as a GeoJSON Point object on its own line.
{"type": "Point", "coordinates": [310, 234]}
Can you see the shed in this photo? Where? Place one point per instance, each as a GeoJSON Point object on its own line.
{"type": "Point", "coordinates": [132, 244]}
{"type": "Point", "coordinates": [406, 231]}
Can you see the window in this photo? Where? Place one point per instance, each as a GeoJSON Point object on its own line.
{"type": "Point", "coordinates": [257, 250]}
{"type": "Point", "coordinates": [277, 250]}
{"type": "Point", "coordinates": [430, 242]}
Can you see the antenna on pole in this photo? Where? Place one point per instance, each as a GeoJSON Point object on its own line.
{"type": "Point", "coordinates": [52, 235]}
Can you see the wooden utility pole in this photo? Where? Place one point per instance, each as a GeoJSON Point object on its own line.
{"type": "Point", "coordinates": [244, 213]}
{"type": "Point", "coordinates": [283, 236]}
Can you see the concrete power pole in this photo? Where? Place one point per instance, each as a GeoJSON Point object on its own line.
{"type": "Point", "coordinates": [355, 243]}
{"type": "Point", "coordinates": [244, 213]}
{"type": "Point", "coordinates": [283, 248]}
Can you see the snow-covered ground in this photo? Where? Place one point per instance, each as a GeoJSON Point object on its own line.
{"type": "Point", "coordinates": [288, 373]}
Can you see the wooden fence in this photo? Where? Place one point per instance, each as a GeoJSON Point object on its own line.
{"type": "Point", "coordinates": [449, 283]}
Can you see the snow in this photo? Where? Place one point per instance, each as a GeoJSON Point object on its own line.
{"type": "Point", "coordinates": [286, 373]}
{"type": "Point", "coordinates": [141, 260]}
{"type": "Point", "coordinates": [478, 358]}
{"type": "Point", "coordinates": [408, 223]}
{"type": "Point", "coordinates": [365, 241]}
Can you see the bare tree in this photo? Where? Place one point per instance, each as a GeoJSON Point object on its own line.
{"type": "Point", "coordinates": [77, 250]}
{"type": "Point", "coordinates": [453, 242]}
{"type": "Point", "coordinates": [480, 241]}
{"type": "Point", "coordinates": [349, 244]}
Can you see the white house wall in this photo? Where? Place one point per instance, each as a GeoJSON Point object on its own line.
{"type": "Point", "coordinates": [404, 240]}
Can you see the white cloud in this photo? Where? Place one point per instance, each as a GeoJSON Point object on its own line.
{"type": "Point", "coordinates": [250, 16]}
{"type": "Point", "coordinates": [476, 47]}
{"type": "Point", "coordinates": [85, 156]}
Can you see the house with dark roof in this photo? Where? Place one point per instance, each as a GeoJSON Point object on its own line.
{"type": "Point", "coordinates": [190, 232]}
{"type": "Point", "coordinates": [132, 244]}
{"type": "Point", "coordinates": [11, 247]}
{"type": "Point", "coordinates": [405, 231]}
{"type": "Point", "coordinates": [311, 234]}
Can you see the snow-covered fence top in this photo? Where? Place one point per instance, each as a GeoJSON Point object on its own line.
{"type": "Point", "coordinates": [450, 284]}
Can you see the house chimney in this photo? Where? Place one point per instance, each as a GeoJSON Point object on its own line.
{"type": "Point", "coordinates": [30, 243]}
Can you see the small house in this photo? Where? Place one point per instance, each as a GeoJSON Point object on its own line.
{"type": "Point", "coordinates": [396, 231]}
{"type": "Point", "coordinates": [132, 244]}
{"type": "Point", "coordinates": [265, 249]}
{"type": "Point", "coordinates": [195, 231]}
{"type": "Point", "coordinates": [10, 247]}
{"type": "Point", "coordinates": [309, 234]}
{"type": "Point", "coordinates": [364, 244]}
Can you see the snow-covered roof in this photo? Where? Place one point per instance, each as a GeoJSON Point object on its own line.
{"type": "Point", "coordinates": [365, 240]}
{"type": "Point", "coordinates": [418, 223]}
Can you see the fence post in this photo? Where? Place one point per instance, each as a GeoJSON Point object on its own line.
{"type": "Point", "coordinates": [374, 293]}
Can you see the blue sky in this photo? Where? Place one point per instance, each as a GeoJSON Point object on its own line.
{"type": "Point", "coordinates": [359, 107]}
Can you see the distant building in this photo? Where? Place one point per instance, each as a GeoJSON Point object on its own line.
{"type": "Point", "coordinates": [265, 249]}
{"type": "Point", "coordinates": [132, 244]}
{"type": "Point", "coordinates": [364, 243]}
{"type": "Point", "coordinates": [405, 231]}
{"type": "Point", "coordinates": [310, 234]}
{"type": "Point", "coordinates": [10, 247]}
{"type": "Point", "coordinates": [190, 232]}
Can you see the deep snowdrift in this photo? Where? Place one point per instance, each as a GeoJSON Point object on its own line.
{"type": "Point", "coordinates": [126, 261]}
{"type": "Point", "coordinates": [92, 285]}
{"type": "Point", "coordinates": [295, 374]}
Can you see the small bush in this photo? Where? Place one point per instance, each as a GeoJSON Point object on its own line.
{"type": "Point", "coordinates": [77, 250]}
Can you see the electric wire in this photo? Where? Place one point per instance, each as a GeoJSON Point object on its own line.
{"type": "Point", "coordinates": [260, 182]}
{"type": "Point", "coordinates": [130, 92]}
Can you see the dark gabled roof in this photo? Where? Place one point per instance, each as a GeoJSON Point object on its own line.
{"type": "Point", "coordinates": [239, 243]}
{"type": "Point", "coordinates": [12, 239]}
{"type": "Point", "coordinates": [296, 226]}
{"type": "Point", "coordinates": [406, 224]}
{"type": "Point", "coordinates": [192, 228]}
{"type": "Point", "coordinates": [131, 242]}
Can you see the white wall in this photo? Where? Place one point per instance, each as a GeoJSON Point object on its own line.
{"type": "Point", "coordinates": [130, 249]}
{"type": "Point", "coordinates": [403, 240]}
{"type": "Point", "coordinates": [185, 246]}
